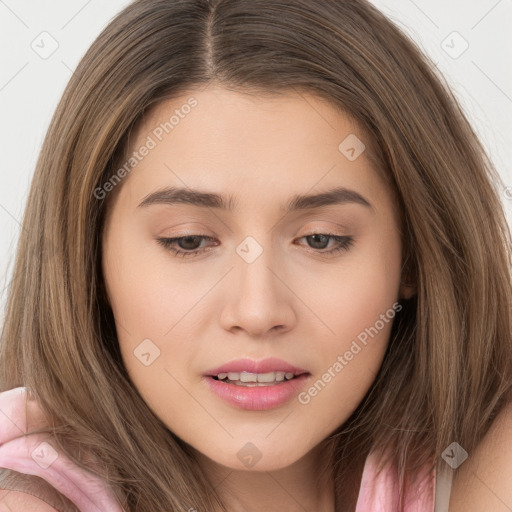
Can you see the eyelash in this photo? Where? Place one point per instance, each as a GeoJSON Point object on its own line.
{"type": "Point", "coordinates": [345, 242]}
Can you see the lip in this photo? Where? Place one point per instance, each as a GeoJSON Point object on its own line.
{"type": "Point", "coordinates": [270, 364]}
{"type": "Point", "coordinates": [257, 398]}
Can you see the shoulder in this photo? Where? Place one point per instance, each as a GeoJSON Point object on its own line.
{"type": "Point", "coordinates": [484, 480]}
{"type": "Point", "coordinates": [18, 501]}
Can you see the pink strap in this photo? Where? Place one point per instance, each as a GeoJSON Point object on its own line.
{"type": "Point", "coordinates": [34, 455]}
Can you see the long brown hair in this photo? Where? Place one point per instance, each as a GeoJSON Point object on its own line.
{"type": "Point", "coordinates": [447, 371]}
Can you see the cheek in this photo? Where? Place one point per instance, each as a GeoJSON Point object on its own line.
{"type": "Point", "coordinates": [354, 295]}
{"type": "Point", "coordinates": [155, 340]}
{"type": "Point", "coordinates": [150, 308]}
{"type": "Point", "coordinates": [351, 362]}
{"type": "Point", "coordinates": [149, 296]}
{"type": "Point", "coordinates": [155, 336]}
{"type": "Point", "coordinates": [359, 309]}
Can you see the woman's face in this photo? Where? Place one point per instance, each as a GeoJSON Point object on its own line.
{"type": "Point", "coordinates": [273, 265]}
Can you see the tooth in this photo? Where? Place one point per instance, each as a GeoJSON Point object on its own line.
{"type": "Point", "coordinates": [266, 377]}
{"type": "Point", "coordinates": [255, 378]}
{"type": "Point", "coordinates": [248, 377]}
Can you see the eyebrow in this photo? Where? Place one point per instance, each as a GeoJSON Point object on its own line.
{"type": "Point", "coordinates": [180, 195]}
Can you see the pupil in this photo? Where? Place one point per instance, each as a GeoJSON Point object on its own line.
{"type": "Point", "coordinates": [184, 240]}
{"type": "Point", "coordinates": [324, 237]}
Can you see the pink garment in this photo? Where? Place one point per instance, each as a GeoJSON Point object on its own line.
{"type": "Point", "coordinates": [379, 493]}
{"type": "Point", "coordinates": [33, 455]}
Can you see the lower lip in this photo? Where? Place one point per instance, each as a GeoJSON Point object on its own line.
{"type": "Point", "coordinates": [257, 398]}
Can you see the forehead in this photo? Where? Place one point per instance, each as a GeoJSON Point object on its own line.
{"type": "Point", "coordinates": [215, 110]}
{"type": "Point", "coordinates": [247, 144]}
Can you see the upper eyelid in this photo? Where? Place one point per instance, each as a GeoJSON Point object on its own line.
{"type": "Point", "coordinates": [326, 232]}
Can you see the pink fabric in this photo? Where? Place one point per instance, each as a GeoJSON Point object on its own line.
{"type": "Point", "coordinates": [34, 455]}
{"type": "Point", "coordinates": [379, 493]}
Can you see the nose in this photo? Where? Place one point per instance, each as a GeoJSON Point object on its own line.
{"type": "Point", "coordinates": [258, 299]}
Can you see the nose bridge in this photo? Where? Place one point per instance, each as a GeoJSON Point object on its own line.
{"type": "Point", "coordinates": [255, 281]}
{"type": "Point", "coordinates": [258, 300]}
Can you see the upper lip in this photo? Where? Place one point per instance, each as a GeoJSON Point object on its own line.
{"type": "Point", "coordinates": [271, 364]}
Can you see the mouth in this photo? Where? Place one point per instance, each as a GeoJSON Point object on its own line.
{"type": "Point", "coordinates": [256, 385]}
{"type": "Point", "coordinates": [249, 379]}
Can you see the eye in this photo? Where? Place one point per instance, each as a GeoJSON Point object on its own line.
{"type": "Point", "coordinates": [187, 245]}
{"type": "Point", "coordinates": [190, 245]}
{"type": "Point", "coordinates": [321, 240]}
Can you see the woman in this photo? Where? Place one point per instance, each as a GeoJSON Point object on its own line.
{"type": "Point", "coordinates": [337, 337]}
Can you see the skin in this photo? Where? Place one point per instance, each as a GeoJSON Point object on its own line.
{"type": "Point", "coordinates": [292, 302]}
{"type": "Point", "coordinates": [483, 481]}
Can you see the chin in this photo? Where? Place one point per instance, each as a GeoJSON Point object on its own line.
{"type": "Point", "coordinates": [250, 458]}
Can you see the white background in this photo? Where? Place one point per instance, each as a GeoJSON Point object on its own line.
{"type": "Point", "coordinates": [30, 86]}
